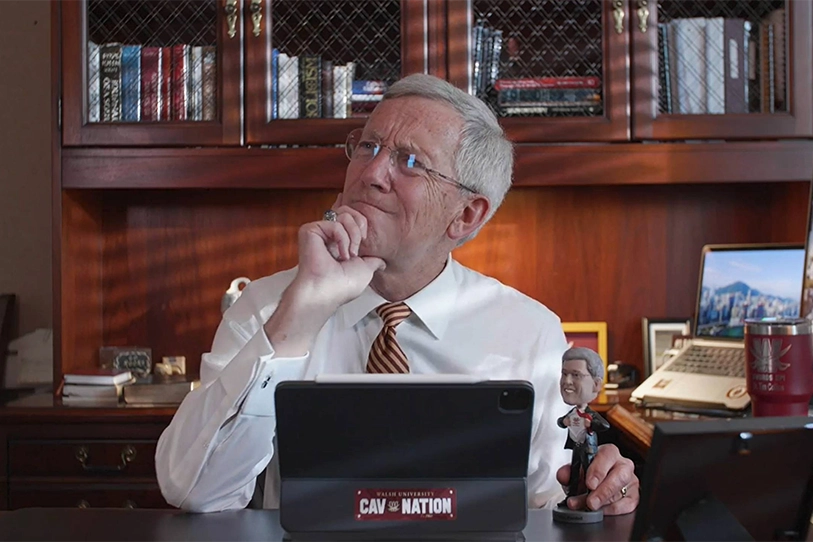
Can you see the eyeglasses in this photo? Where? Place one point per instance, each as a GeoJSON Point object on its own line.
{"type": "Point", "coordinates": [359, 150]}
{"type": "Point", "coordinates": [574, 375]}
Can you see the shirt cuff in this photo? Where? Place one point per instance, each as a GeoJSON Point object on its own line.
{"type": "Point", "coordinates": [258, 382]}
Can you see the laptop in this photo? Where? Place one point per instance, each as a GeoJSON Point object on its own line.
{"type": "Point", "coordinates": [738, 479]}
{"type": "Point", "coordinates": [403, 456]}
{"type": "Point", "coordinates": [736, 282]}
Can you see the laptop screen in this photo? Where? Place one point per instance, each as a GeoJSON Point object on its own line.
{"type": "Point", "coordinates": [746, 281]}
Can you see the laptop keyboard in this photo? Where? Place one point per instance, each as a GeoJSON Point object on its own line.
{"type": "Point", "coordinates": [716, 360]}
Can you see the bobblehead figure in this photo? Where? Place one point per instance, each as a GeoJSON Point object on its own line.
{"type": "Point", "coordinates": [581, 381]}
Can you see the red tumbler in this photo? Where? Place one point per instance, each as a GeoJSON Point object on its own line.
{"type": "Point", "coordinates": [779, 366]}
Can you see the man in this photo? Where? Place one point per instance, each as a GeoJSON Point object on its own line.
{"type": "Point", "coordinates": [376, 290]}
{"type": "Point", "coordinates": [582, 380]}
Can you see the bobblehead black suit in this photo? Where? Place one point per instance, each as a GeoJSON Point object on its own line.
{"type": "Point", "coordinates": [583, 453]}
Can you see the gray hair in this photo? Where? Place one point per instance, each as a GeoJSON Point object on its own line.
{"type": "Point", "coordinates": [595, 366]}
{"type": "Point", "coordinates": [484, 160]}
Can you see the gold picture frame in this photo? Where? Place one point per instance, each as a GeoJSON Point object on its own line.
{"type": "Point", "coordinates": [592, 335]}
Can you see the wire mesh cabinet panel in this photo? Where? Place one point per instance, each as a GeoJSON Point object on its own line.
{"type": "Point", "coordinates": [552, 70]}
{"type": "Point", "coordinates": [151, 72]}
{"type": "Point", "coordinates": [315, 69]}
{"type": "Point", "coordinates": [722, 69]}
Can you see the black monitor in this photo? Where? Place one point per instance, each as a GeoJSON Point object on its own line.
{"type": "Point", "coordinates": [743, 479]}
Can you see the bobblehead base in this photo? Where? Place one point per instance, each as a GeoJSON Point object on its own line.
{"type": "Point", "coordinates": [566, 515]}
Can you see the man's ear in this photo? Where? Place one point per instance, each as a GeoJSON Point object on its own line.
{"type": "Point", "coordinates": [469, 218]}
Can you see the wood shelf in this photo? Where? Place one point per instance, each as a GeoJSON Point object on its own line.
{"type": "Point", "coordinates": [536, 165]}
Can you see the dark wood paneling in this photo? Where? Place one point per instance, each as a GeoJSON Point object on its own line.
{"type": "Point", "coordinates": [169, 257]}
{"type": "Point", "coordinates": [611, 254]}
{"type": "Point", "coordinates": [538, 165]}
{"type": "Point", "coordinates": [616, 254]}
{"type": "Point", "coordinates": [81, 282]}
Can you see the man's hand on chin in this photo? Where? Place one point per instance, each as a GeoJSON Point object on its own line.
{"type": "Point", "coordinates": [611, 479]}
{"type": "Point", "coordinates": [330, 273]}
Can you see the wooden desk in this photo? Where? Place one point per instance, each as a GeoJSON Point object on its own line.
{"type": "Point", "coordinates": [42, 446]}
{"type": "Point", "coordinates": [112, 524]}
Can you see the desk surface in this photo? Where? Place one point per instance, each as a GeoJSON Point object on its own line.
{"type": "Point", "coordinates": [117, 524]}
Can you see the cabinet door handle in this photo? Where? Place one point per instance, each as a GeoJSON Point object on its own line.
{"type": "Point", "coordinates": [83, 504]}
{"type": "Point", "coordinates": [618, 15]}
{"type": "Point", "coordinates": [256, 16]}
{"type": "Point", "coordinates": [128, 453]}
{"type": "Point", "coordinates": [643, 14]}
{"type": "Point", "coordinates": [129, 504]}
{"type": "Point", "coordinates": [231, 17]}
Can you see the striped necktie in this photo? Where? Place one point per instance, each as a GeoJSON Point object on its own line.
{"type": "Point", "coordinates": [386, 355]}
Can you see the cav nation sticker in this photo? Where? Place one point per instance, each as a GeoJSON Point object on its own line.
{"type": "Point", "coordinates": [406, 504]}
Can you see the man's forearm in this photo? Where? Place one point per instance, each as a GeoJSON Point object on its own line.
{"type": "Point", "coordinates": [299, 317]}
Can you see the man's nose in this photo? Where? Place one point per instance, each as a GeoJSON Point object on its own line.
{"type": "Point", "coordinates": [379, 171]}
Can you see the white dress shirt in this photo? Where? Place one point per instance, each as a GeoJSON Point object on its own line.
{"type": "Point", "coordinates": [221, 437]}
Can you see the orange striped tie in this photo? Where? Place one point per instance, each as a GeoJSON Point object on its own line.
{"type": "Point", "coordinates": [386, 355]}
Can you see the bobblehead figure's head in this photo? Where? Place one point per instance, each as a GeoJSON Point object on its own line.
{"type": "Point", "coordinates": [582, 376]}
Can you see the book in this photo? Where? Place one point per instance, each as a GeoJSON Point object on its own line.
{"type": "Point", "coordinates": [131, 83]}
{"type": "Point", "coordinates": [664, 75]}
{"type": "Point", "coordinates": [310, 87]}
{"type": "Point", "coordinates": [155, 389]}
{"type": "Point", "coordinates": [327, 89]}
{"type": "Point", "coordinates": [273, 98]}
{"type": "Point", "coordinates": [533, 83]}
{"type": "Point", "coordinates": [736, 77]}
{"type": "Point", "coordinates": [194, 106]}
{"type": "Point", "coordinates": [151, 83]}
{"type": "Point", "coordinates": [715, 66]}
{"type": "Point", "coordinates": [180, 82]}
{"type": "Point", "coordinates": [94, 108]}
{"type": "Point", "coordinates": [110, 73]}
{"type": "Point", "coordinates": [98, 377]}
{"type": "Point", "coordinates": [98, 402]}
{"type": "Point", "coordinates": [288, 86]}
{"type": "Point", "coordinates": [92, 391]}
{"type": "Point", "coordinates": [166, 83]}
{"type": "Point", "coordinates": [209, 83]}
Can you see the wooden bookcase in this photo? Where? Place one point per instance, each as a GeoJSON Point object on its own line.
{"type": "Point", "coordinates": [152, 220]}
{"type": "Point", "coordinates": [605, 222]}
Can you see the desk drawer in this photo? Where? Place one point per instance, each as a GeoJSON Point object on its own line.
{"type": "Point", "coordinates": [124, 458]}
{"type": "Point", "coordinates": [85, 496]}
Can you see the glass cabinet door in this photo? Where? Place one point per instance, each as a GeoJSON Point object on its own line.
{"type": "Point", "coordinates": [722, 69]}
{"type": "Point", "coordinates": [315, 69]}
{"type": "Point", "coordinates": [552, 70]}
{"type": "Point", "coordinates": [151, 72]}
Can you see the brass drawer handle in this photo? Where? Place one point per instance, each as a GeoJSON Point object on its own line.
{"type": "Point", "coordinates": [83, 504]}
{"type": "Point", "coordinates": [129, 504]}
{"type": "Point", "coordinates": [128, 454]}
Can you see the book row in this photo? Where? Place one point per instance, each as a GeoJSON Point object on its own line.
{"type": "Point", "coordinates": [722, 66]}
{"type": "Point", "coordinates": [134, 83]}
{"type": "Point", "coordinates": [309, 86]}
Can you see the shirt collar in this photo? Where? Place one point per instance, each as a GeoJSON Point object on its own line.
{"type": "Point", "coordinates": [430, 304]}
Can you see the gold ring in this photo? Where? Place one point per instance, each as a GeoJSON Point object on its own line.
{"type": "Point", "coordinates": [330, 215]}
{"type": "Point", "coordinates": [623, 492]}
